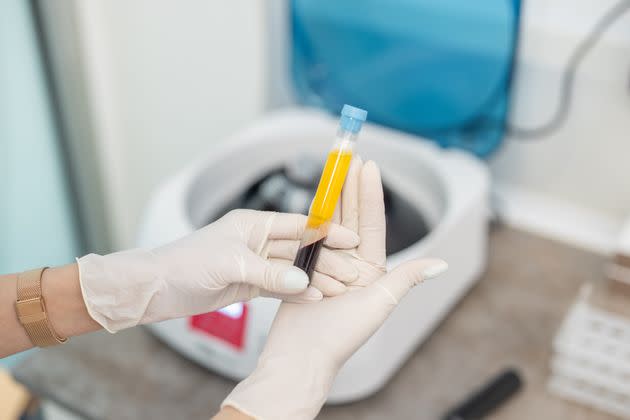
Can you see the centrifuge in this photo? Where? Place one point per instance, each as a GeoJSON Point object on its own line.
{"type": "Point", "coordinates": [437, 102]}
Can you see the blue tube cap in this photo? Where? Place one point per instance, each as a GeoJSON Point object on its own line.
{"type": "Point", "coordinates": [352, 118]}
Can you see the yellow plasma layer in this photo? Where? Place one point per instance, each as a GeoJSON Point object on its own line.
{"type": "Point", "coordinates": [329, 188]}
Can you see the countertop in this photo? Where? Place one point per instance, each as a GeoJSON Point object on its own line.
{"type": "Point", "coordinates": [507, 319]}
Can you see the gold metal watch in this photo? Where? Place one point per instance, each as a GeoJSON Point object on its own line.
{"type": "Point", "coordinates": [31, 309]}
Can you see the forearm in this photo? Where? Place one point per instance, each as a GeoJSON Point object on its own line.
{"type": "Point", "coordinates": [229, 413]}
{"type": "Point", "coordinates": [64, 303]}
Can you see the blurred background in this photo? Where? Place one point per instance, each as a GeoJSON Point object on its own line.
{"type": "Point", "coordinates": [104, 103]}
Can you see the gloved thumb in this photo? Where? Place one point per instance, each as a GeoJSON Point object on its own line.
{"type": "Point", "coordinates": [409, 274]}
{"type": "Point", "coordinates": [275, 277]}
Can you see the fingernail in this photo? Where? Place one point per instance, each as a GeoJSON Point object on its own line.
{"type": "Point", "coordinates": [295, 279]}
{"type": "Point", "coordinates": [313, 294]}
{"type": "Point", "coordinates": [434, 270]}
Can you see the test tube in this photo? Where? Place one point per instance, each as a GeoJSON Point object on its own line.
{"type": "Point", "coordinates": [329, 188]}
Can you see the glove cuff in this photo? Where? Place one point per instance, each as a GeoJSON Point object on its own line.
{"type": "Point", "coordinates": [117, 288]}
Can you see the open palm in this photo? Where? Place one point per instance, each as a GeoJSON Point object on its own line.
{"type": "Point", "coordinates": [308, 343]}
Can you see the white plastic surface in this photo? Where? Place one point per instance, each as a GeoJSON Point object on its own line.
{"type": "Point", "coordinates": [450, 187]}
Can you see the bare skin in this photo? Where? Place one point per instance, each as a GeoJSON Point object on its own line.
{"type": "Point", "coordinates": [64, 304]}
{"type": "Point", "coordinates": [230, 413]}
{"type": "Point", "coordinates": [67, 313]}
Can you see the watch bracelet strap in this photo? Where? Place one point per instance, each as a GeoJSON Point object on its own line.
{"type": "Point", "coordinates": [37, 325]}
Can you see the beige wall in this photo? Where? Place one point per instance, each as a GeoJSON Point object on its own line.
{"type": "Point", "coordinates": [166, 79]}
{"type": "Point", "coordinates": [586, 162]}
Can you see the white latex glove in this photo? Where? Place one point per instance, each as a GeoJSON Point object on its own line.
{"type": "Point", "coordinates": [238, 257]}
{"type": "Point", "coordinates": [308, 344]}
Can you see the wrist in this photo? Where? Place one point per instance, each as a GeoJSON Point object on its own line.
{"type": "Point", "coordinates": [284, 387]}
{"type": "Point", "coordinates": [231, 413]}
{"type": "Point", "coordinates": [64, 302]}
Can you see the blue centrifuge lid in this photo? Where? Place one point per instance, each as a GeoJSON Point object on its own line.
{"type": "Point", "coordinates": [440, 69]}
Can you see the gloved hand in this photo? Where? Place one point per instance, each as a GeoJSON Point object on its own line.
{"type": "Point", "coordinates": [238, 257]}
{"type": "Point", "coordinates": [308, 344]}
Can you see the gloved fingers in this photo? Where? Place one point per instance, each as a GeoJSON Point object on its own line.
{"type": "Point", "coordinates": [336, 266]}
{"type": "Point", "coordinates": [326, 284]}
{"type": "Point", "coordinates": [348, 203]}
{"type": "Point", "coordinates": [340, 237]}
{"type": "Point", "coordinates": [291, 226]}
{"type": "Point", "coordinates": [371, 215]}
{"type": "Point", "coordinates": [350, 196]}
{"type": "Point", "coordinates": [337, 213]}
{"type": "Point", "coordinates": [329, 261]}
{"type": "Point", "coordinates": [311, 294]}
{"type": "Point", "coordinates": [269, 275]}
{"type": "Point", "coordinates": [282, 248]}
{"type": "Point", "coordinates": [401, 279]}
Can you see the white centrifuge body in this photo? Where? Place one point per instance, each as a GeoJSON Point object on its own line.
{"type": "Point", "coordinates": [449, 187]}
